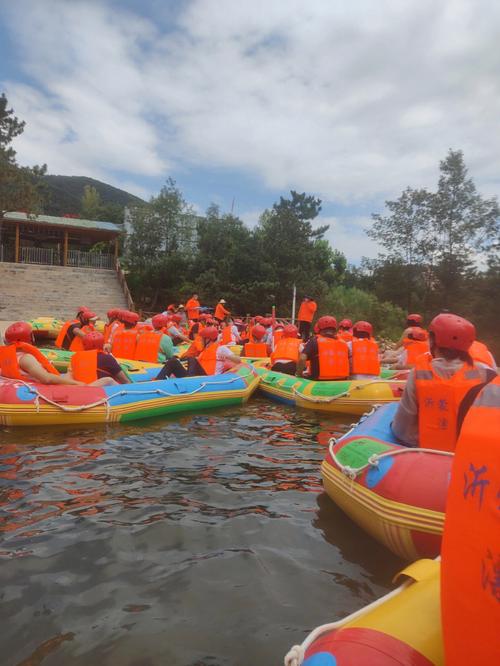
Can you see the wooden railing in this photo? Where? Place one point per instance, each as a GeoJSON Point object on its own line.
{"type": "Point", "coordinates": [123, 283]}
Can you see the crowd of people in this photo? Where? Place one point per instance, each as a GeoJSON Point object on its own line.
{"type": "Point", "coordinates": [447, 365]}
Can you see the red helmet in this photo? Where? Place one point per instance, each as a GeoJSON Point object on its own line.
{"type": "Point", "coordinates": [290, 331]}
{"type": "Point", "coordinates": [159, 321]}
{"type": "Point", "coordinates": [258, 319]}
{"type": "Point", "coordinates": [345, 323]}
{"type": "Point", "coordinates": [416, 333]}
{"type": "Point", "coordinates": [452, 332]}
{"type": "Point", "coordinates": [326, 322]}
{"type": "Point", "coordinates": [204, 316]}
{"type": "Point", "coordinates": [87, 314]}
{"type": "Point", "coordinates": [258, 332]}
{"type": "Point", "coordinates": [19, 331]}
{"type": "Point", "coordinates": [171, 307]}
{"type": "Point", "coordinates": [177, 318]}
{"type": "Point", "coordinates": [266, 321]}
{"type": "Point", "coordinates": [415, 319]}
{"type": "Point", "coordinates": [93, 340]}
{"type": "Point", "coordinates": [113, 314]}
{"type": "Point", "coordinates": [363, 326]}
{"type": "Point", "coordinates": [129, 317]}
{"type": "Point", "coordinates": [209, 333]}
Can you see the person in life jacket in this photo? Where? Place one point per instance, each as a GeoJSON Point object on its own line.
{"type": "Point", "coordinates": [363, 352]}
{"type": "Point", "coordinates": [470, 551]}
{"type": "Point", "coordinates": [256, 348]}
{"type": "Point", "coordinates": [345, 330]}
{"type": "Point", "coordinates": [155, 346]}
{"type": "Point", "coordinates": [427, 413]}
{"type": "Point", "coordinates": [415, 344]}
{"type": "Point", "coordinates": [112, 323]}
{"type": "Point", "coordinates": [229, 334]}
{"type": "Point", "coordinates": [220, 311]}
{"type": "Point", "coordinates": [213, 359]}
{"type": "Point", "coordinates": [72, 332]}
{"type": "Point", "coordinates": [124, 341]}
{"type": "Point", "coordinates": [412, 321]}
{"type": "Point", "coordinates": [305, 316]}
{"type": "Point", "coordinates": [20, 359]}
{"type": "Point", "coordinates": [480, 352]}
{"type": "Point", "coordinates": [95, 367]}
{"type": "Point", "coordinates": [193, 308]}
{"type": "Point", "coordinates": [327, 355]}
{"type": "Point", "coordinates": [173, 329]}
{"type": "Point", "coordinates": [286, 354]}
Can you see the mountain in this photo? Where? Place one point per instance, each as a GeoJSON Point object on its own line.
{"type": "Point", "coordinates": [64, 194]}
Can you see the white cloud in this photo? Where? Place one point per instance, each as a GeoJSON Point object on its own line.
{"type": "Point", "coordinates": [348, 234]}
{"type": "Point", "coordinates": [351, 101]}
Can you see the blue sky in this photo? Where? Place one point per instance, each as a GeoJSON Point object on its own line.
{"type": "Point", "coordinates": [350, 102]}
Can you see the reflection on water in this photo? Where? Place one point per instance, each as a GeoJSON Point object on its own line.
{"type": "Point", "coordinates": [204, 539]}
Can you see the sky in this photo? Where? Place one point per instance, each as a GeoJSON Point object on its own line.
{"type": "Point", "coordinates": [242, 101]}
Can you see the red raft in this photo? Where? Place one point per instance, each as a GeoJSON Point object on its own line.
{"type": "Point", "coordinates": [396, 494]}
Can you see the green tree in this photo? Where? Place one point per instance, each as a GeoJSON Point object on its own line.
{"type": "Point", "coordinates": [292, 251]}
{"type": "Point", "coordinates": [91, 203]}
{"type": "Point", "coordinates": [464, 224]}
{"type": "Point", "coordinates": [406, 234]}
{"type": "Point", "coordinates": [19, 186]}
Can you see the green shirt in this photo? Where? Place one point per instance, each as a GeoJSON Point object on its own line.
{"type": "Point", "coordinates": [166, 349]}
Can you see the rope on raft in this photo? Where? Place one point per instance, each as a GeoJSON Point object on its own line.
{"type": "Point", "coordinates": [373, 460]}
{"type": "Point", "coordinates": [344, 394]}
{"type": "Point", "coordinates": [106, 400]}
{"type": "Point", "coordinates": [296, 654]}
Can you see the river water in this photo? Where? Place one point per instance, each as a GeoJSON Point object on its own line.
{"type": "Point", "coordinates": [202, 540]}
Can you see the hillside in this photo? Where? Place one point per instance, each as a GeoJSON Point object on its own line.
{"type": "Point", "coordinates": [64, 194]}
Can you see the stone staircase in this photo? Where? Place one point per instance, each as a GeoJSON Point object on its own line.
{"type": "Point", "coordinates": [28, 291]}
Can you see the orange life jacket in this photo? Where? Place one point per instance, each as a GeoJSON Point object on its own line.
{"type": "Point", "coordinates": [220, 311]}
{"type": "Point", "coordinates": [255, 350]}
{"type": "Point", "coordinates": [333, 358]}
{"type": "Point", "coordinates": [414, 349]}
{"type": "Point", "coordinates": [306, 311]}
{"type": "Point", "coordinates": [287, 349]}
{"type": "Point", "coordinates": [62, 333]}
{"type": "Point", "coordinates": [148, 346]}
{"type": "Point", "coordinates": [124, 343]}
{"type": "Point", "coordinates": [84, 366]}
{"type": "Point", "coordinates": [208, 357]}
{"type": "Point", "coordinates": [227, 335]}
{"type": "Point", "coordinates": [438, 402]}
{"type": "Point", "coordinates": [480, 352]}
{"type": "Point", "coordinates": [347, 336]}
{"type": "Point", "coordinates": [111, 330]}
{"type": "Point", "coordinates": [277, 336]}
{"type": "Point", "coordinates": [195, 348]}
{"type": "Point", "coordinates": [470, 553]}
{"type": "Point", "coordinates": [365, 357]}
{"type": "Point", "coordinates": [9, 363]}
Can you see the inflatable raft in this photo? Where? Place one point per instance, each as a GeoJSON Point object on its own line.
{"type": "Point", "coordinates": [403, 628]}
{"type": "Point", "coordinates": [395, 493]}
{"type": "Point", "coordinates": [28, 404]}
{"type": "Point", "coordinates": [47, 328]}
{"type": "Point", "coordinates": [344, 397]}
{"type": "Point", "coordinates": [137, 371]}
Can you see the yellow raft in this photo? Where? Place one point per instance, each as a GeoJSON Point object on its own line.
{"type": "Point", "coordinates": [403, 628]}
{"type": "Point", "coordinates": [47, 328]}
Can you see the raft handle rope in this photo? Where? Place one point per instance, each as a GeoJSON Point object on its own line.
{"type": "Point", "coordinates": [344, 394]}
{"type": "Point", "coordinates": [106, 400]}
{"type": "Point", "coordinates": [373, 460]}
{"type": "Point", "coordinates": [296, 654]}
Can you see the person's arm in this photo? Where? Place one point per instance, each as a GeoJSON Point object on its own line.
{"type": "Point", "coordinates": [301, 364]}
{"type": "Point", "coordinates": [37, 372]}
{"type": "Point", "coordinates": [405, 423]}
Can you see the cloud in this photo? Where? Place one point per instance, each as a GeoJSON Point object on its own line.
{"type": "Point", "coordinates": [348, 234]}
{"type": "Point", "coordinates": [350, 101]}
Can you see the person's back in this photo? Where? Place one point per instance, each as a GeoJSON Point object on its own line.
{"type": "Point", "coordinates": [286, 353]}
{"type": "Point", "coordinates": [328, 357]}
{"type": "Point", "coordinates": [428, 411]}
{"type": "Point", "coordinates": [365, 360]}
{"type": "Point", "coordinates": [93, 366]}
{"type": "Point", "coordinates": [124, 341]}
